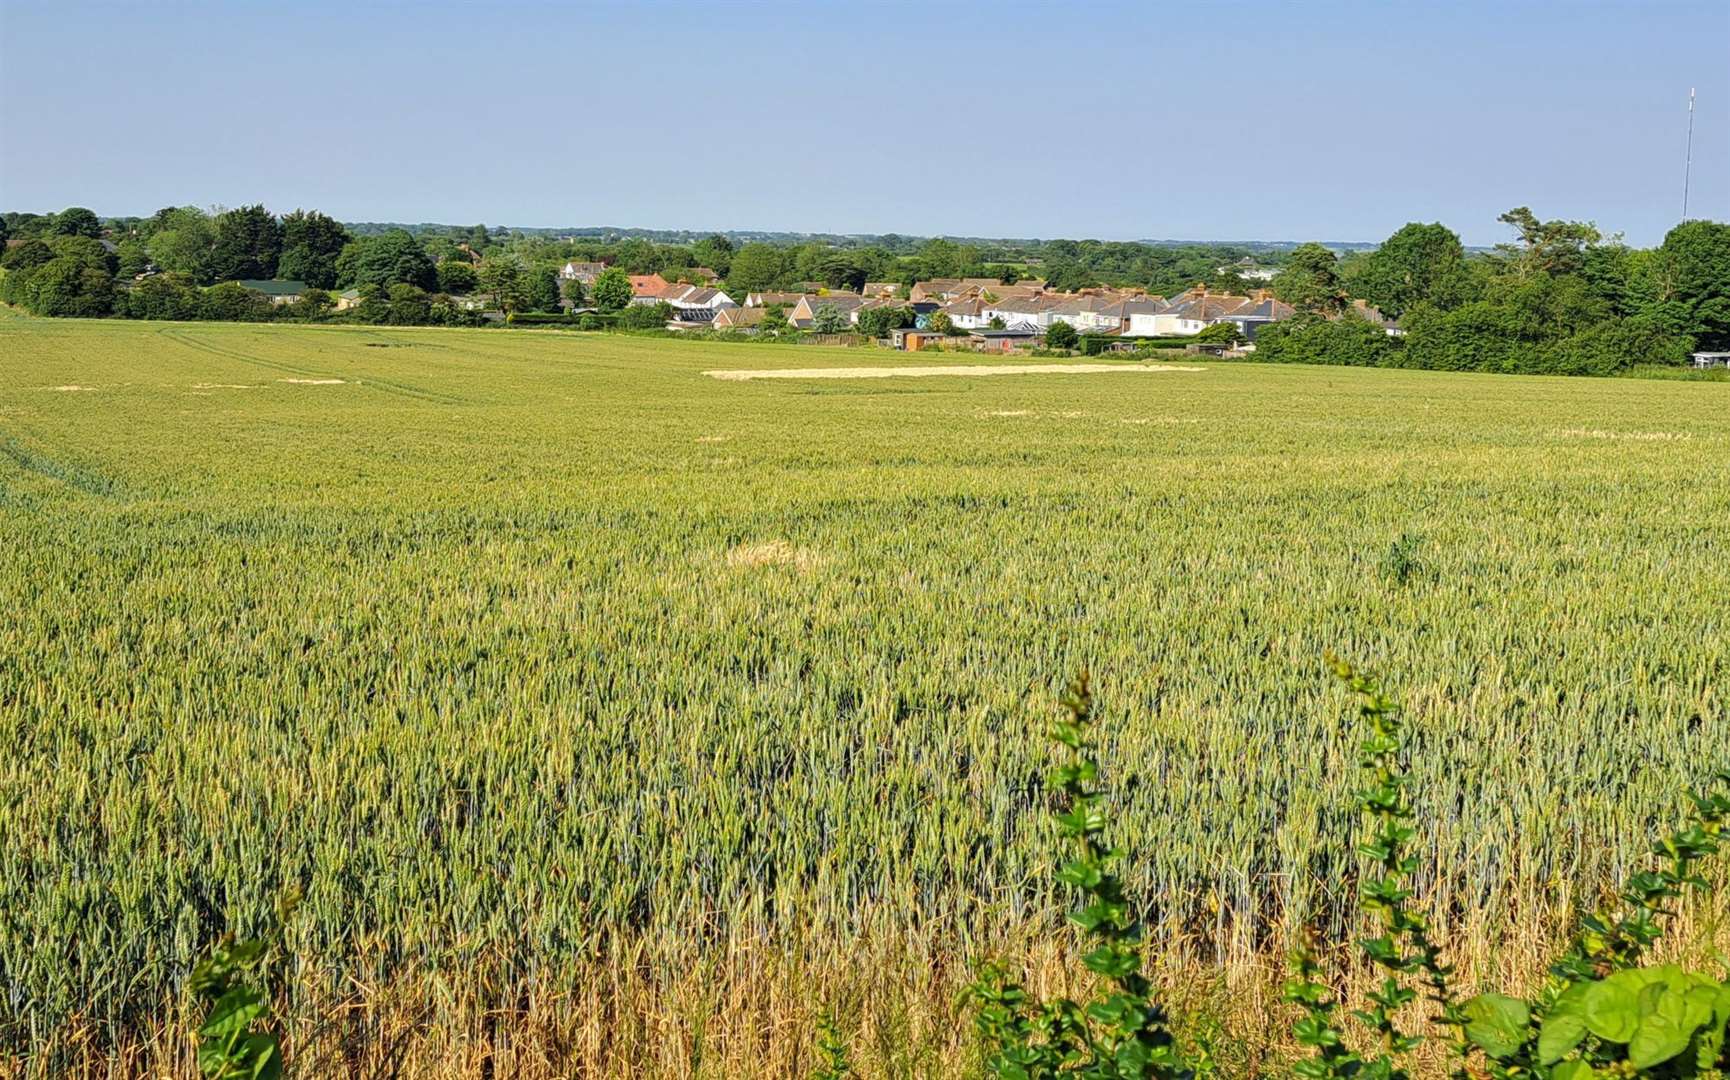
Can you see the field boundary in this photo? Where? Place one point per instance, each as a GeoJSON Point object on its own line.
{"type": "Point", "coordinates": [938, 370]}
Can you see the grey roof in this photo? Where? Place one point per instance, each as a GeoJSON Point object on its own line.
{"type": "Point", "coordinates": [842, 303]}
{"type": "Point", "coordinates": [1267, 309]}
{"type": "Point", "coordinates": [1143, 306]}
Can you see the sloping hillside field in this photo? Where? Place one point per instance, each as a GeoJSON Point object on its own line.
{"type": "Point", "coordinates": [618, 719]}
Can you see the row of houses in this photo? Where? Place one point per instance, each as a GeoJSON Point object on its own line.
{"type": "Point", "coordinates": [1023, 309]}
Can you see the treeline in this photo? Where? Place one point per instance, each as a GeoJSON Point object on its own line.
{"type": "Point", "coordinates": [1558, 299]}
{"type": "Point", "coordinates": [185, 263]}
{"type": "Point", "coordinates": [206, 248]}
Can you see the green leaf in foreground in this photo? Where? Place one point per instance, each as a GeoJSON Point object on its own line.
{"type": "Point", "coordinates": [1497, 1024]}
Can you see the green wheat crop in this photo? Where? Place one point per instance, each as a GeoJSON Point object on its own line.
{"type": "Point", "coordinates": [515, 650]}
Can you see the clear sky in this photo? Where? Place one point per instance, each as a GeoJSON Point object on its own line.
{"type": "Point", "coordinates": [1313, 120]}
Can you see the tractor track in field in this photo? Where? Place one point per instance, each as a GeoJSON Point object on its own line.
{"type": "Point", "coordinates": [389, 386]}
{"type": "Point", "coordinates": [77, 477]}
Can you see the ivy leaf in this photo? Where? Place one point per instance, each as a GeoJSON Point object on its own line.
{"type": "Point", "coordinates": [1564, 1025]}
{"type": "Point", "coordinates": [265, 1056]}
{"type": "Point", "coordinates": [232, 1013]}
{"type": "Point", "coordinates": [1612, 1009]}
{"type": "Point", "coordinates": [1657, 1040]}
{"type": "Point", "coordinates": [1497, 1024]}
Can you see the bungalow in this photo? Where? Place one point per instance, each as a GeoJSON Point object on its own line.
{"type": "Point", "coordinates": [585, 272]}
{"type": "Point", "coordinates": [804, 313]}
{"type": "Point", "coordinates": [886, 289]}
{"type": "Point", "coordinates": [693, 303]}
{"type": "Point", "coordinates": [771, 299]}
{"type": "Point", "coordinates": [940, 289]}
{"type": "Point", "coordinates": [945, 289]}
{"type": "Point", "coordinates": [280, 292]}
{"type": "Point", "coordinates": [347, 298]}
{"type": "Point", "coordinates": [740, 318]}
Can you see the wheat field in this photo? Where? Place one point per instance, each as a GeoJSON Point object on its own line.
{"type": "Point", "coordinates": [618, 720]}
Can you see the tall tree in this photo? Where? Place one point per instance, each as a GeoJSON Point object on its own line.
{"type": "Point", "coordinates": [715, 252]}
{"type": "Point", "coordinates": [1545, 247]}
{"type": "Point", "coordinates": [543, 287]}
{"type": "Point", "coordinates": [26, 256]}
{"type": "Point", "coordinates": [311, 244]}
{"type": "Point", "coordinates": [1310, 280]}
{"type": "Point", "coordinates": [612, 289]}
{"type": "Point", "coordinates": [77, 221]}
{"type": "Point", "coordinates": [248, 244]}
{"type": "Point", "coordinates": [181, 241]}
{"type": "Point", "coordinates": [1693, 265]}
{"type": "Point", "coordinates": [457, 276]}
{"type": "Point", "coordinates": [638, 256]}
{"type": "Point", "coordinates": [392, 258]}
{"type": "Point", "coordinates": [756, 267]}
{"type": "Point", "coordinates": [507, 279]}
{"type": "Point", "coordinates": [1419, 263]}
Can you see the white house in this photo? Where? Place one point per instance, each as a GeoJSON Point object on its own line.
{"type": "Point", "coordinates": [1135, 316]}
{"type": "Point", "coordinates": [695, 303]}
{"type": "Point", "coordinates": [585, 272]}
{"type": "Point", "coordinates": [1087, 313]}
{"type": "Point", "coordinates": [1193, 311]}
{"type": "Point", "coordinates": [1022, 312]}
{"type": "Point", "coordinates": [967, 314]}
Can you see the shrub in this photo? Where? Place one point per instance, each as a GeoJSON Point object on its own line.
{"type": "Point", "coordinates": [409, 305]}
{"type": "Point", "coordinates": [878, 322]}
{"type": "Point", "coordinates": [164, 296]}
{"type": "Point", "coordinates": [313, 304]}
{"type": "Point", "coordinates": [1061, 336]}
{"type": "Point", "coordinates": [1313, 339]}
{"type": "Point", "coordinates": [1609, 348]}
{"type": "Point", "coordinates": [827, 319]}
{"type": "Point", "coordinates": [1095, 344]}
{"type": "Point", "coordinates": [231, 301]}
{"type": "Point", "coordinates": [645, 316]}
{"type": "Point", "coordinates": [1219, 333]}
{"type": "Point", "coordinates": [65, 286]}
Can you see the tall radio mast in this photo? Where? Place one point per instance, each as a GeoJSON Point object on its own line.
{"type": "Point", "coordinates": [1688, 169]}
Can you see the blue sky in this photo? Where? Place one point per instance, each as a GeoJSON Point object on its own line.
{"type": "Point", "coordinates": [1314, 120]}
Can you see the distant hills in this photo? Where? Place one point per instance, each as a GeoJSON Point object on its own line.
{"type": "Point", "coordinates": [890, 241]}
